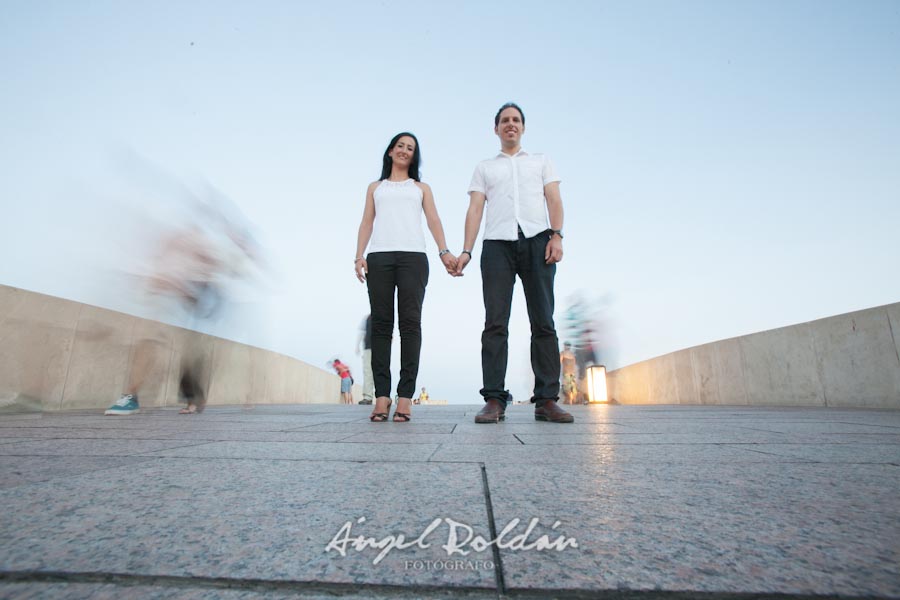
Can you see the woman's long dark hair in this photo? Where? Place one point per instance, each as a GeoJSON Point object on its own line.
{"type": "Point", "coordinates": [388, 162]}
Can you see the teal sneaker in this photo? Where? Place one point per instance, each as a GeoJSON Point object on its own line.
{"type": "Point", "coordinates": [126, 405]}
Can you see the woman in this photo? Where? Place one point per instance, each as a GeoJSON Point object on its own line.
{"type": "Point", "coordinates": [392, 222]}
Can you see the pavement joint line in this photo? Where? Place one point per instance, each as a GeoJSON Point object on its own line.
{"type": "Point", "coordinates": [179, 447]}
{"type": "Point", "coordinates": [795, 459]}
{"type": "Point", "coordinates": [492, 527]}
{"type": "Point", "coordinates": [516, 435]}
{"type": "Point", "coordinates": [866, 424]}
{"type": "Point", "coordinates": [758, 429]}
{"type": "Point", "coordinates": [433, 453]}
{"type": "Point", "coordinates": [617, 594]}
{"type": "Point", "coordinates": [244, 584]}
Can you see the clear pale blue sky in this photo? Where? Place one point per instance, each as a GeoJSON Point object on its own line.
{"type": "Point", "coordinates": [727, 167]}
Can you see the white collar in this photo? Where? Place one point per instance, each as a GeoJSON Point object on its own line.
{"type": "Point", "coordinates": [521, 152]}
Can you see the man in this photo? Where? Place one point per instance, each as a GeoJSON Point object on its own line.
{"type": "Point", "coordinates": [569, 380]}
{"type": "Point", "coordinates": [365, 340]}
{"type": "Point", "coordinates": [522, 236]}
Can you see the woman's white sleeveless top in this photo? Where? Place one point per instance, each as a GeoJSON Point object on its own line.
{"type": "Point", "coordinates": [398, 218]}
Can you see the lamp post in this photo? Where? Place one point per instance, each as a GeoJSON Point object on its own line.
{"type": "Point", "coordinates": [596, 383]}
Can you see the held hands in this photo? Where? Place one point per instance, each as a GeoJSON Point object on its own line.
{"type": "Point", "coordinates": [362, 267]}
{"type": "Point", "coordinates": [461, 263]}
{"type": "Point", "coordinates": [450, 262]}
{"type": "Point", "coordinates": [554, 252]}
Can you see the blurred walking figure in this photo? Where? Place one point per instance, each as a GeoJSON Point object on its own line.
{"type": "Point", "coordinates": [185, 282]}
{"type": "Point", "coordinates": [346, 381]}
{"type": "Point", "coordinates": [569, 373]}
{"type": "Point", "coordinates": [397, 263]}
{"type": "Point", "coordinates": [182, 280]}
{"type": "Point", "coordinates": [365, 340]}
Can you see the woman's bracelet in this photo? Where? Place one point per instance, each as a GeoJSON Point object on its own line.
{"type": "Point", "coordinates": [443, 252]}
{"type": "Point", "coordinates": [356, 260]}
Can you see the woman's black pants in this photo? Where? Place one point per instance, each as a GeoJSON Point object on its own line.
{"type": "Point", "coordinates": [407, 273]}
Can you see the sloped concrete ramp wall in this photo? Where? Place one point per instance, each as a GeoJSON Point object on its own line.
{"type": "Point", "coordinates": [849, 360]}
{"type": "Point", "coordinates": [62, 355]}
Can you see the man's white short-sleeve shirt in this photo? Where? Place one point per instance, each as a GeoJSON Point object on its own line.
{"type": "Point", "coordinates": [514, 189]}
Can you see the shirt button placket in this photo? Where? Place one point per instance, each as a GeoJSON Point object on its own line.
{"type": "Point", "coordinates": [515, 191]}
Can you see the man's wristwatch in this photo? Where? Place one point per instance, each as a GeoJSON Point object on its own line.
{"type": "Point", "coordinates": [466, 252]}
{"type": "Point", "coordinates": [557, 232]}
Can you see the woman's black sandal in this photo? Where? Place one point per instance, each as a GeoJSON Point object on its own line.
{"type": "Point", "coordinates": [382, 416]}
{"type": "Point", "coordinates": [400, 417]}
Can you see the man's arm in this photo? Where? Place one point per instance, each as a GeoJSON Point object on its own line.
{"type": "Point", "coordinates": [554, 252]}
{"type": "Point", "coordinates": [473, 224]}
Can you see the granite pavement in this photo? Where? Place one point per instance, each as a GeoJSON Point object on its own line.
{"type": "Point", "coordinates": [315, 501]}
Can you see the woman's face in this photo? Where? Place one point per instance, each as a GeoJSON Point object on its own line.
{"type": "Point", "coordinates": [402, 152]}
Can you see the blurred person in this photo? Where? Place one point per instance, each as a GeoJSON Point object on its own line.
{"type": "Point", "coordinates": [365, 340]}
{"type": "Point", "coordinates": [391, 229]}
{"type": "Point", "coordinates": [423, 397]}
{"type": "Point", "coordinates": [569, 376]}
{"type": "Point", "coordinates": [346, 381]}
{"type": "Point", "coordinates": [187, 281]}
{"type": "Point", "coordinates": [522, 236]}
{"type": "Point", "coordinates": [181, 285]}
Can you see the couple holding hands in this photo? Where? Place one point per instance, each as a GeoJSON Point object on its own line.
{"type": "Point", "coordinates": [519, 192]}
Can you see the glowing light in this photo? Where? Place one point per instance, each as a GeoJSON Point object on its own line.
{"type": "Point", "coordinates": [596, 383]}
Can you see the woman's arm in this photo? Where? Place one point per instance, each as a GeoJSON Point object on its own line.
{"type": "Point", "coordinates": [435, 226]}
{"type": "Point", "coordinates": [365, 233]}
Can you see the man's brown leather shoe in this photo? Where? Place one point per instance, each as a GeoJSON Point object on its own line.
{"type": "Point", "coordinates": [493, 412]}
{"type": "Point", "coordinates": [551, 411]}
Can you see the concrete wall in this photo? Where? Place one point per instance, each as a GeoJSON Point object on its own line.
{"type": "Point", "coordinates": [850, 360]}
{"type": "Point", "coordinates": [63, 355]}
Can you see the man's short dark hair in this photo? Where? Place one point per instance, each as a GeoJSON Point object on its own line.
{"type": "Point", "coordinates": [504, 107]}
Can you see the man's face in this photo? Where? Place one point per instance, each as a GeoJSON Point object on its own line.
{"type": "Point", "coordinates": [510, 127]}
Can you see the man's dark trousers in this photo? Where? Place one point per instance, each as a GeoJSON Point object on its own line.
{"type": "Point", "coordinates": [501, 261]}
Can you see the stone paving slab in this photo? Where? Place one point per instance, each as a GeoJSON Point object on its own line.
{"type": "Point", "coordinates": [18, 470]}
{"type": "Point", "coordinates": [386, 427]}
{"type": "Point", "coordinates": [818, 427]}
{"type": "Point", "coordinates": [16, 440]}
{"type": "Point", "coordinates": [8, 434]}
{"type": "Point", "coordinates": [316, 451]}
{"type": "Point", "coordinates": [532, 426]}
{"type": "Point", "coordinates": [240, 435]}
{"type": "Point", "coordinates": [569, 439]}
{"type": "Point", "coordinates": [239, 503]}
{"type": "Point", "coordinates": [837, 453]}
{"type": "Point", "coordinates": [90, 447]}
{"type": "Point", "coordinates": [738, 438]}
{"type": "Point", "coordinates": [433, 438]}
{"type": "Point", "coordinates": [576, 454]}
{"type": "Point", "coordinates": [269, 520]}
{"type": "Point", "coordinates": [125, 591]}
{"type": "Point", "coordinates": [763, 527]}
